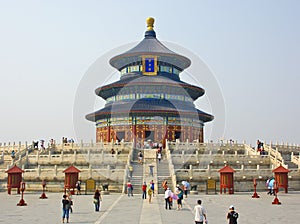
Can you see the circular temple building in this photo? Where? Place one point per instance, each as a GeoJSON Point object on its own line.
{"type": "Point", "coordinates": [149, 102]}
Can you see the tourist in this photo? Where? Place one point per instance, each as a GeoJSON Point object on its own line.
{"type": "Point", "coordinates": [13, 154]}
{"type": "Point", "coordinates": [159, 156]}
{"type": "Point", "coordinates": [52, 143]}
{"type": "Point", "coordinates": [260, 146]}
{"type": "Point", "coordinates": [179, 193]}
{"type": "Point", "coordinates": [164, 185]}
{"type": "Point", "coordinates": [78, 186]}
{"type": "Point", "coordinates": [232, 215]}
{"type": "Point", "coordinates": [97, 199]}
{"type": "Point", "coordinates": [168, 199]}
{"type": "Point", "coordinates": [70, 198]}
{"type": "Point", "coordinates": [42, 144]}
{"type": "Point", "coordinates": [129, 189]}
{"type": "Point", "coordinates": [66, 205]}
{"type": "Point", "coordinates": [186, 187]}
{"type": "Point", "coordinates": [152, 187]}
{"type": "Point", "coordinates": [130, 168]}
{"type": "Point", "coordinates": [150, 192]}
{"type": "Point", "coordinates": [151, 170]}
{"type": "Point", "coordinates": [200, 213]}
{"type": "Point", "coordinates": [35, 144]}
{"type": "Point", "coordinates": [140, 157]}
{"type": "Point", "coordinates": [112, 151]}
{"type": "Point", "coordinates": [144, 189]}
{"type": "Point", "coordinates": [270, 185]}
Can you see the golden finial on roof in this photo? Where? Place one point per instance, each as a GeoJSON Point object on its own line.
{"type": "Point", "coordinates": [150, 22]}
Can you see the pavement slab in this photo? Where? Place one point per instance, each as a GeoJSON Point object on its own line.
{"type": "Point", "coordinates": [119, 208]}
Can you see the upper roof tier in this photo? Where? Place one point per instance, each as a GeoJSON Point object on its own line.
{"type": "Point", "coordinates": [150, 46]}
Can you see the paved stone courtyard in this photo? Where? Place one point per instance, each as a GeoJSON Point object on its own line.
{"type": "Point", "coordinates": [117, 208]}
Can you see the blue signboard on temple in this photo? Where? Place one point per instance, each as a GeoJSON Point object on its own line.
{"type": "Point", "coordinates": [150, 65]}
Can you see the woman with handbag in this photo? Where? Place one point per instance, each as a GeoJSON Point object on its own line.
{"type": "Point", "coordinates": [97, 199]}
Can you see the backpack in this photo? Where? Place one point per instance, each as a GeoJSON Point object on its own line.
{"type": "Point", "coordinates": [235, 215]}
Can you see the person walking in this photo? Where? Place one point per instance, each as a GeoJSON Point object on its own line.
{"type": "Point", "coordinates": [66, 207]}
{"type": "Point", "coordinates": [165, 185]}
{"type": "Point", "coordinates": [78, 186]}
{"type": "Point", "coordinates": [151, 170]}
{"type": "Point", "coordinates": [144, 189]}
{"type": "Point", "coordinates": [140, 157]}
{"type": "Point", "coordinates": [270, 184]}
{"type": "Point", "coordinates": [70, 198]}
{"type": "Point", "coordinates": [168, 199]}
{"type": "Point", "coordinates": [150, 192]}
{"type": "Point", "coordinates": [152, 187]}
{"type": "Point", "coordinates": [129, 189]}
{"type": "Point", "coordinates": [232, 215]}
{"type": "Point", "coordinates": [97, 200]}
{"type": "Point", "coordinates": [13, 153]}
{"type": "Point", "coordinates": [159, 156]}
{"type": "Point", "coordinates": [130, 168]}
{"type": "Point", "coordinates": [179, 193]}
{"type": "Point", "coordinates": [200, 213]}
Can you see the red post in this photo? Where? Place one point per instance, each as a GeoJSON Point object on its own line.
{"type": "Point", "coordinates": [276, 200]}
{"type": "Point", "coordinates": [255, 195]}
{"type": "Point", "coordinates": [43, 196]}
{"type": "Point", "coordinates": [22, 202]}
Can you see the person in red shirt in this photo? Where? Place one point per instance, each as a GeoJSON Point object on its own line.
{"type": "Point", "coordinates": [144, 189]}
{"type": "Point", "coordinates": [129, 189]}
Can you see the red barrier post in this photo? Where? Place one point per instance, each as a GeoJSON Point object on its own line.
{"type": "Point", "coordinates": [43, 196]}
{"type": "Point", "coordinates": [276, 200]}
{"type": "Point", "coordinates": [22, 202]}
{"type": "Point", "coordinates": [255, 195]}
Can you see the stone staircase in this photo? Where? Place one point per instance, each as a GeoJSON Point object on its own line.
{"type": "Point", "coordinates": [287, 159]}
{"type": "Point", "coordinates": [137, 176]}
{"type": "Point", "coordinates": [163, 174]}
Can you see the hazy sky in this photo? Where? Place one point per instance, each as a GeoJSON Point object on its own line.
{"type": "Point", "coordinates": [251, 47]}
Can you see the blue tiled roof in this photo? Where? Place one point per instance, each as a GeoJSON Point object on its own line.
{"type": "Point", "coordinates": [150, 107]}
{"type": "Point", "coordinates": [150, 46]}
{"type": "Point", "coordinates": [163, 81]}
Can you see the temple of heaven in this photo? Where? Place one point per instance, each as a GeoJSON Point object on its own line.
{"type": "Point", "coordinates": [149, 102]}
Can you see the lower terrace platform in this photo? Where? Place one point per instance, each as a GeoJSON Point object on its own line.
{"type": "Point", "coordinates": [118, 208]}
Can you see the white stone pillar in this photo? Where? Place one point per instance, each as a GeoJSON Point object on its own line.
{"type": "Point", "coordinates": [62, 156]}
{"type": "Point", "coordinates": [39, 170]}
{"type": "Point", "coordinates": [90, 171]}
{"type": "Point", "coordinates": [26, 158]}
{"type": "Point", "coordinates": [102, 155]}
{"type": "Point", "coordinates": [55, 171]}
{"type": "Point", "coordinates": [37, 157]}
{"type": "Point", "coordinates": [81, 144]}
{"type": "Point", "coordinates": [75, 157]}
{"type": "Point", "coordinates": [89, 155]}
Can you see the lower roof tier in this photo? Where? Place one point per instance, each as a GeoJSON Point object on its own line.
{"type": "Point", "coordinates": [150, 107]}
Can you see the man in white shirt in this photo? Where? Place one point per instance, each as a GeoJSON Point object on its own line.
{"type": "Point", "coordinates": [167, 198]}
{"type": "Point", "coordinates": [200, 213]}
